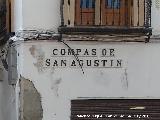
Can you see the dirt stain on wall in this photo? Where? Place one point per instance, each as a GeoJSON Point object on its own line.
{"type": "Point", "coordinates": [39, 55]}
{"type": "Point", "coordinates": [55, 86]}
{"type": "Point", "coordinates": [124, 80]}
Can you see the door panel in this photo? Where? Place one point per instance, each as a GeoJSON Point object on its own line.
{"type": "Point", "coordinates": [115, 12]}
{"type": "Point", "coordinates": [85, 12]}
{"type": "Point", "coordinates": [110, 13]}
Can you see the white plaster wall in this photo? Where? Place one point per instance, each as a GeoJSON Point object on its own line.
{"type": "Point", "coordinates": [141, 64]}
{"type": "Point", "coordinates": [156, 17]}
{"type": "Point", "coordinates": [141, 69]}
{"type": "Point", "coordinates": [17, 17]}
{"type": "Point", "coordinates": [45, 14]}
{"type": "Point", "coordinates": [37, 14]}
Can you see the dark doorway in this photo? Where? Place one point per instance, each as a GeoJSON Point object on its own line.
{"type": "Point", "coordinates": [115, 109]}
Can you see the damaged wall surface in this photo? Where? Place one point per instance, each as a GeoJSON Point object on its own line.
{"type": "Point", "coordinates": [7, 93]}
{"type": "Point", "coordinates": [29, 96]}
{"type": "Point", "coordinates": [53, 76]}
{"type": "Point", "coordinates": [55, 85]}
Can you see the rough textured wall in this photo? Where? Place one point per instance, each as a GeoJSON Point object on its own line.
{"type": "Point", "coordinates": [7, 94]}
{"type": "Point", "coordinates": [138, 77]}
{"type": "Point", "coordinates": [30, 100]}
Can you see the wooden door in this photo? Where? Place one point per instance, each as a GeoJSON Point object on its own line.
{"type": "Point", "coordinates": [115, 109]}
{"type": "Point", "coordinates": [85, 12]}
{"type": "Point", "coordinates": [115, 12]}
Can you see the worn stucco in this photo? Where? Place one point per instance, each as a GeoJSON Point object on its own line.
{"type": "Point", "coordinates": [7, 96]}
{"type": "Point", "coordinates": [137, 78]}
{"type": "Point", "coordinates": [57, 86]}
{"type": "Point", "coordinates": [30, 100]}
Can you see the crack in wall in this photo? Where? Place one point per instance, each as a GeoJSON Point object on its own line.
{"type": "Point", "coordinates": [76, 57]}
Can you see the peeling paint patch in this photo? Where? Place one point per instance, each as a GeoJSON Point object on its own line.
{"type": "Point", "coordinates": [30, 101]}
{"type": "Point", "coordinates": [55, 86]}
{"type": "Point", "coordinates": [124, 80]}
{"type": "Point", "coordinates": [39, 55]}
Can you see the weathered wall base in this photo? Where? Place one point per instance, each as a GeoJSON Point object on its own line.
{"type": "Point", "coordinates": [7, 92]}
{"type": "Point", "coordinates": [30, 101]}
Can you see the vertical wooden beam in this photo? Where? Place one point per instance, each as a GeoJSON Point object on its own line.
{"type": "Point", "coordinates": [132, 13]}
{"type": "Point", "coordinates": [72, 12]}
{"type": "Point", "coordinates": [135, 12]}
{"type": "Point", "coordinates": [65, 12]}
{"type": "Point", "coordinates": [141, 13]}
{"type": "Point", "coordinates": [122, 12]}
{"type": "Point", "coordinates": [129, 12]}
{"type": "Point", "coordinates": [103, 13]}
{"type": "Point", "coordinates": [77, 12]}
{"type": "Point", "coordinates": [97, 12]}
